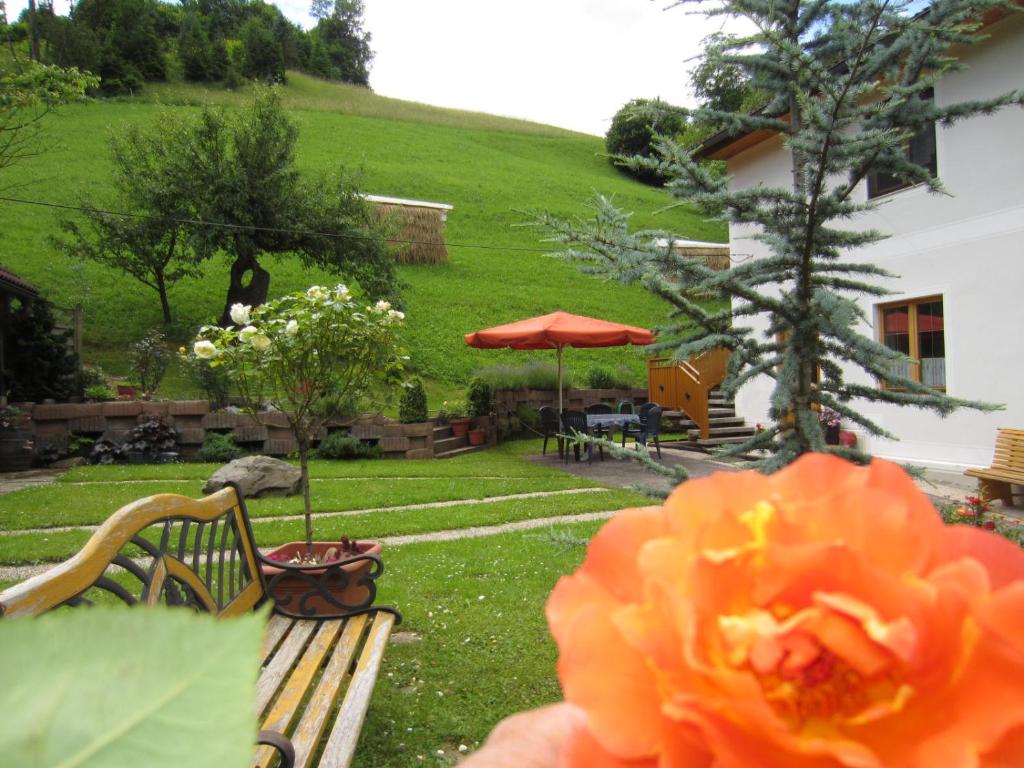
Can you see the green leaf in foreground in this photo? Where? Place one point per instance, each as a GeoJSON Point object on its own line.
{"type": "Point", "coordinates": [113, 687]}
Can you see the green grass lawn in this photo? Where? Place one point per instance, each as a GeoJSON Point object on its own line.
{"type": "Point", "coordinates": [493, 170]}
{"type": "Point", "coordinates": [474, 607]}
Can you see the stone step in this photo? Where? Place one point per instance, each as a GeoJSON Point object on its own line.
{"type": "Point", "coordinates": [683, 422]}
{"type": "Point", "coordinates": [447, 444]}
{"type": "Point", "coordinates": [459, 451]}
{"type": "Point", "coordinates": [721, 412]}
{"type": "Point", "coordinates": [714, 442]}
{"type": "Point", "coordinates": [440, 433]}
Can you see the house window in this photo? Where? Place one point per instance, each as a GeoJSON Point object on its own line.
{"type": "Point", "coordinates": [917, 329]}
{"type": "Point", "coordinates": [920, 150]}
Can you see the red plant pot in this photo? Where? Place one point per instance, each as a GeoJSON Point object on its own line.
{"type": "Point", "coordinates": [460, 427]}
{"type": "Point", "coordinates": [289, 589]}
{"type": "Point", "coordinates": [477, 436]}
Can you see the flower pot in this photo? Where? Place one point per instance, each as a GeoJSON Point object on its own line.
{"type": "Point", "coordinates": [16, 449]}
{"type": "Point", "coordinates": [477, 436]}
{"type": "Point", "coordinates": [298, 591]}
{"type": "Point", "coordinates": [460, 426]}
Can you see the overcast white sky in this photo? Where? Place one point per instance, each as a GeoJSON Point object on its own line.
{"type": "Point", "coordinates": [570, 63]}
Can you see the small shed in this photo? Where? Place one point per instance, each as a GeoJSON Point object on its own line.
{"type": "Point", "coordinates": [15, 295]}
{"type": "Point", "coordinates": [420, 226]}
{"type": "Point", "coordinates": [714, 255]}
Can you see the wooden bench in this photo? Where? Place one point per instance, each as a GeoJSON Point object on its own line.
{"type": "Point", "coordinates": [201, 554]}
{"type": "Point", "coordinates": [1007, 468]}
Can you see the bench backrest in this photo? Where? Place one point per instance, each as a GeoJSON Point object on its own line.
{"type": "Point", "coordinates": [164, 549]}
{"type": "Point", "coordinates": [1009, 452]}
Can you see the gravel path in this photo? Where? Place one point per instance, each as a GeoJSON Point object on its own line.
{"type": "Point", "coordinates": [349, 512]}
{"type": "Point", "coordinates": [22, 572]}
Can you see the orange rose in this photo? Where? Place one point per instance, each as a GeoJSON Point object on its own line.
{"type": "Point", "coordinates": [821, 617]}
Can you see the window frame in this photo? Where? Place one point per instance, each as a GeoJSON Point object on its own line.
{"type": "Point", "coordinates": [871, 179]}
{"type": "Point", "coordinates": [914, 353]}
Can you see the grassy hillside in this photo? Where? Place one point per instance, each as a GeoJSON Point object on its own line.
{"type": "Point", "coordinates": [493, 170]}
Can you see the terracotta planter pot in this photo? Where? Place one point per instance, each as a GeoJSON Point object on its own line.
{"type": "Point", "coordinates": [460, 426]}
{"type": "Point", "coordinates": [288, 591]}
{"type": "Point", "coordinates": [477, 436]}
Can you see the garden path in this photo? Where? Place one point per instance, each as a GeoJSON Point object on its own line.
{"type": "Point", "coordinates": [21, 572]}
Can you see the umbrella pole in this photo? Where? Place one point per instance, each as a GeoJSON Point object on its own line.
{"type": "Point", "coordinates": [559, 381]}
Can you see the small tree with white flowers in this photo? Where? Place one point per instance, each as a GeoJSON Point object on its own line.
{"type": "Point", "coordinates": [310, 355]}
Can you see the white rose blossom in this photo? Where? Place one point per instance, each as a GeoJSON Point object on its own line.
{"type": "Point", "coordinates": [240, 314]}
{"type": "Point", "coordinates": [394, 314]}
{"type": "Point", "coordinates": [260, 342]}
{"type": "Point", "coordinates": [342, 293]}
{"type": "Point", "coordinates": [382, 306]}
{"type": "Point", "coordinates": [316, 292]}
{"type": "Point", "coordinates": [292, 327]}
{"type": "Point", "coordinates": [247, 333]}
{"type": "Point", "coordinates": [204, 349]}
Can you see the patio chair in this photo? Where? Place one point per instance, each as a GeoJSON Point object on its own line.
{"type": "Point", "coordinates": [634, 430]}
{"type": "Point", "coordinates": [651, 428]}
{"type": "Point", "coordinates": [575, 423]}
{"type": "Point", "coordinates": [625, 406]}
{"type": "Point", "coordinates": [549, 427]}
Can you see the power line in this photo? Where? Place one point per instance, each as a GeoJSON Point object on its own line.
{"type": "Point", "coordinates": [254, 228]}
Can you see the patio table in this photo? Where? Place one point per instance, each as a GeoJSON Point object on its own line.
{"type": "Point", "coordinates": [611, 419]}
{"type": "Point", "coordinates": [607, 422]}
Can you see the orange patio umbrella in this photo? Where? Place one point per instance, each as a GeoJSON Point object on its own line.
{"type": "Point", "coordinates": [557, 331]}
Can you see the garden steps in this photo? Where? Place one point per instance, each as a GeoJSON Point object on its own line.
{"type": "Point", "coordinates": [459, 451]}
{"type": "Point", "coordinates": [448, 444]}
{"type": "Point", "coordinates": [726, 427]}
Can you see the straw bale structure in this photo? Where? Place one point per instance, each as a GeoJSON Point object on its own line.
{"type": "Point", "coordinates": [714, 255]}
{"type": "Point", "coordinates": [417, 221]}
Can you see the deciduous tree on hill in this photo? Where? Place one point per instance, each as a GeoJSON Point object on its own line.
{"type": "Point", "coordinates": [226, 183]}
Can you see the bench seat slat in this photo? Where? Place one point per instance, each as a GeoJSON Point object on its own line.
{"type": "Point", "coordinates": [277, 628]}
{"type": "Point", "coordinates": [322, 703]}
{"type": "Point", "coordinates": [341, 745]}
{"type": "Point", "coordinates": [286, 706]}
{"type": "Point", "coordinates": [277, 668]}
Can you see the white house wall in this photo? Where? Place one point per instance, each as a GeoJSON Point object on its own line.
{"type": "Point", "coordinates": [968, 247]}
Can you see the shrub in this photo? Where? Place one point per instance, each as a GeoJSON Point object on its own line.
{"type": "Point", "coordinates": [40, 363]}
{"type": "Point", "coordinates": [214, 381]}
{"type": "Point", "coordinates": [536, 374]}
{"type": "Point", "coordinates": [93, 376]}
{"type": "Point", "coordinates": [340, 445]}
{"type": "Point", "coordinates": [148, 358]}
{"type": "Point", "coordinates": [529, 417]}
{"type": "Point", "coordinates": [219, 448]}
{"type": "Point", "coordinates": [106, 452]}
{"type": "Point", "coordinates": [100, 393]}
{"type": "Point", "coordinates": [152, 436]}
{"type": "Point", "coordinates": [608, 378]}
{"type": "Point", "coordinates": [413, 407]}
{"type": "Point", "coordinates": [479, 398]}
{"type": "Point", "coordinates": [632, 133]}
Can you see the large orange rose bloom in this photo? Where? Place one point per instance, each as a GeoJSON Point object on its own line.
{"type": "Point", "coordinates": [820, 617]}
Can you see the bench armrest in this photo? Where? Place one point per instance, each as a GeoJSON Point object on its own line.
{"type": "Point", "coordinates": [280, 743]}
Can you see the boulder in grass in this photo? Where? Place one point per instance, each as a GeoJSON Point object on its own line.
{"type": "Point", "coordinates": [257, 476]}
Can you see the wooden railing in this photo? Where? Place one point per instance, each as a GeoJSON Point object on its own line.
{"type": "Point", "coordinates": [686, 385]}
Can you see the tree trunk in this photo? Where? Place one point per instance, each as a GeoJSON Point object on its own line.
{"type": "Point", "coordinates": [241, 291]}
{"type": "Point", "coordinates": [161, 288]}
{"type": "Point", "coordinates": [304, 468]}
{"type": "Point", "coordinates": [33, 31]}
